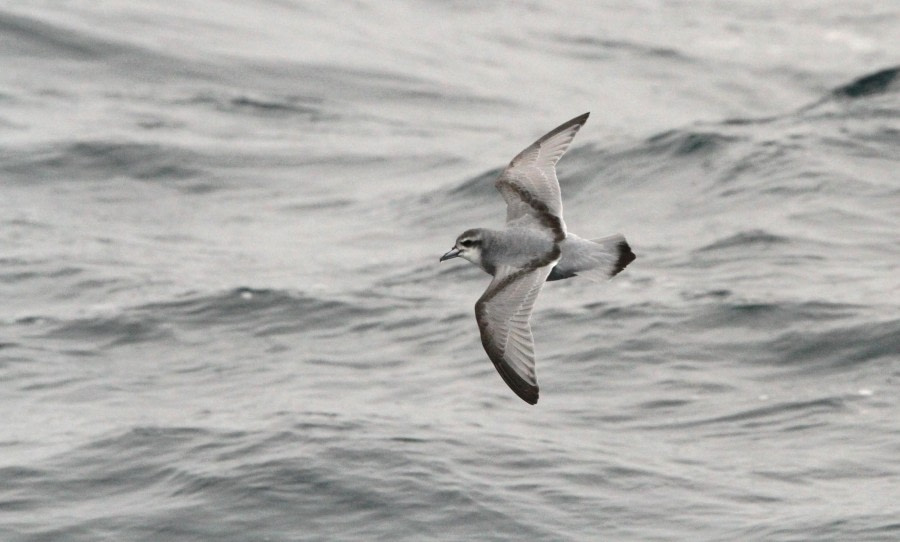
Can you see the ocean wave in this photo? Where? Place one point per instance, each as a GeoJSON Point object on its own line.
{"type": "Point", "coordinates": [783, 413]}
{"type": "Point", "coordinates": [724, 165]}
{"type": "Point", "coordinates": [99, 160]}
{"type": "Point", "coordinates": [28, 36]}
{"type": "Point", "coordinates": [270, 106]}
{"type": "Point", "coordinates": [872, 96]}
{"type": "Point", "coordinates": [688, 143]}
{"type": "Point", "coordinates": [768, 315]}
{"type": "Point", "coordinates": [110, 331]}
{"type": "Point", "coordinates": [593, 48]}
{"type": "Point", "coordinates": [880, 82]}
{"type": "Point", "coordinates": [345, 475]}
{"type": "Point", "coordinates": [252, 311]}
{"type": "Point", "coordinates": [53, 44]}
{"type": "Point", "coordinates": [838, 348]}
{"type": "Point", "coordinates": [744, 239]}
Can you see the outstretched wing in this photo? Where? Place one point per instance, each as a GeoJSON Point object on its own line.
{"type": "Point", "coordinates": [529, 184]}
{"type": "Point", "coordinates": [503, 313]}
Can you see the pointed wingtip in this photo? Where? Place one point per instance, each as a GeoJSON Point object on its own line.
{"type": "Point", "coordinates": [526, 391]}
{"type": "Point", "coordinates": [529, 394]}
{"type": "Point", "coordinates": [577, 121]}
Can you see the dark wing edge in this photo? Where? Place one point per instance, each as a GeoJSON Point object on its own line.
{"type": "Point", "coordinates": [577, 122]}
{"type": "Point", "coordinates": [509, 341]}
{"type": "Point", "coordinates": [526, 391]}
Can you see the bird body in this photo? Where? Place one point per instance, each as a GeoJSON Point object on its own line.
{"type": "Point", "coordinates": [514, 247]}
{"type": "Point", "coordinates": [535, 247]}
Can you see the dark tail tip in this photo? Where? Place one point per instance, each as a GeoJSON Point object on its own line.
{"type": "Point", "coordinates": [626, 256]}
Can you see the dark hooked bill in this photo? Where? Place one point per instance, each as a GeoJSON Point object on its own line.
{"type": "Point", "coordinates": [453, 253]}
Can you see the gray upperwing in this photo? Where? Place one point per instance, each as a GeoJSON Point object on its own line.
{"type": "Point", "coordinates": [529, 184]}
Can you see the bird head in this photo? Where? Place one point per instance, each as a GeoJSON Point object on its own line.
{"type": "Point", "coordinates": [468, 246]}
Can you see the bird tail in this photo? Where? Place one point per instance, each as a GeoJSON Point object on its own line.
{"type": "Point", "coordinates": [595, 259]}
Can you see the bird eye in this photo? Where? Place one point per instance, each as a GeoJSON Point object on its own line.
{"type": "Point", "coordinates": [466, 243]}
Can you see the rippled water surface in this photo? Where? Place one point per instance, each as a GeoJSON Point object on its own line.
{"type": "Point", "coordinates": [224, 318]}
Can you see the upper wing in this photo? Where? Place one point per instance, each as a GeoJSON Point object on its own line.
{"type": "Point", "coordinates": [503, 313]}
{"type": "Point", "coordinates": [529, 184]}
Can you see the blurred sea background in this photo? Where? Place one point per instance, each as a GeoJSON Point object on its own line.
{"type": "Point", "coordinates": [223, 316]}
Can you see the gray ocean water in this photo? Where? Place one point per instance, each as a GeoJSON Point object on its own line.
{"type": "Point", "coordinates": [223, 316]}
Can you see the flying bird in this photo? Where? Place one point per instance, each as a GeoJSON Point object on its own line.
{"type": "Point", "coordinates": [535, 247]}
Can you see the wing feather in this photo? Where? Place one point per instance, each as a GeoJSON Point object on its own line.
{"type": "Point", "coordinates": [503, 314]}
{"type": "Point", "coordinates": [529, 184]}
